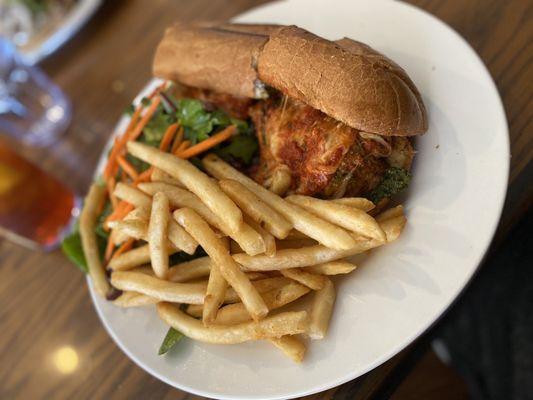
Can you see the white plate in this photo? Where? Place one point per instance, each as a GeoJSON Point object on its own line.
{"type": "Point", "coordinates": [453, 207]}
{"type": "Point", "coordinates": [68, 26]}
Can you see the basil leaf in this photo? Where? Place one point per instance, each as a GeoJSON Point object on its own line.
{"type": "Point", "coordinates": [171, 338]}
{"type": "Point", "coordinates": [71, 247]}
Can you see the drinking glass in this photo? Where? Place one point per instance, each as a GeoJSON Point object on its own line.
{"type": "Point", "coordinates": [32, 108]}
{"type": "Point", "coordinates": [36, 209]}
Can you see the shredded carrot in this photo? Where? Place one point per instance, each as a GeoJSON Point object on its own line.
{"type": "Point", "coordinates": [177, 140]}
{"type": "Point", "coordinates": [221, 136]}
{"type": "Point", "coordinates": [111, 182]}
{"type": "Point", "coordinates": [120, 212]}
{"type": "Point", "coordinates": [108, 170]}
{"type": "Point", "coordinates": [127, 245]}
{"type": "Point", "coordinates": [136, 132]}
{"type": "Point", "coordinates": [168, 136]}
{"type": "Point", "coordinates": [127, 167]}
{"type": "Point", "coordinates": [109, 247]}
{"type": "Point", "coordinates": [183, 146]}
{"type": "Point", "coordinates": [144, 177]}
{"type": "Point", "coordinates": [119, 144]}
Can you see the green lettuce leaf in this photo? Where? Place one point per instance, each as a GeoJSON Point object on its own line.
{"type": "Point", "coordinates": [241, 147]}
{"type": "Point", "coordinates": [71, 247]}
{"type": "Point", "coordinates": [171, 338]}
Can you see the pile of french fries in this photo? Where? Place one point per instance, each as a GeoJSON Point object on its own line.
{"type": "Point", "coordinates": [263, 251]}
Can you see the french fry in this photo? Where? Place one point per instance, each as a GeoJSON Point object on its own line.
{"type": "Point", "coordinates": [177, 236]}
{"type": "Point", "coordinates": [393, 227]}
{"type": "Point", "coordinates": [249, 240]}
{"type": "Point", "coordinates": [132, 259]}
{"type": "Point", "coordinates": [280, 180]}
{"type": "Point", "coordinates": [322, 231]}
{"type": "Point", "coordinates": [356, 202]}
{"type": "Point", "coordinates": [262, 286]}
{"type": "Point", "coordinates": [132, 195]}
{"type": "Point", "coordinates": [216, 291]}
{"type": "Point", "coordinates": [236, 313]}
{"type": "Point", "coordinates": [160, 176]}
{"type": "Point", "coordinates": [214, 297]}
{"type": "Point", "coordinates": [321, 311]}
{"type": "Point", "coordinates": [181, 239]}
{"type": "Point", "coordinates": [288, 323]}
{"type": "Point", "coordinates": [190, 270]}
{"type": "Point", "coordinates": [132, 228]}
{"type": "Point", "coordinates": [349, 218]}
{"type": "Point", "coordinates": [194, 179]}
{"type": "Point", "coordinates": [258, 210]}
{"type": "Point", "coordinates": [88, 218]}
{"type": "Point", "coordinates": [291, 346]}
{"type": "Point", "coordinates": [157, 234]}
{"type": "Point", "coordinates": [332, 268]}
{"type": "Point", "coordinates": [303, 257]}
{"type": "Point", "coordinates": [268, 238]}
{"type": "Point", "coordinates": [390, 213]}
{"type": "Point", "coordinates": [312, 281]}
{"type": "Point", "coordinates": [187, 293]}
{"type": "Point", "coordinates": [230, 270]}
{"type": "Point", "coordinates": [138, 213]}
{"type": "Point", "coordinates": [134, 299]}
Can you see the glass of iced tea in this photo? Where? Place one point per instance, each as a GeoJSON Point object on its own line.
{"type": "Point", "coordinates": [35, 207]}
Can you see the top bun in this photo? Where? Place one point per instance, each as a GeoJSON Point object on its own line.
{"type": "Point", "coordinates": [346, 79]}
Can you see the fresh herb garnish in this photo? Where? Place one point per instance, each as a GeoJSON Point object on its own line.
{"type": "Point", "coordinates": [241, 147]}
{"type": "Point", "coordinates": [394, 181]}
{"type": "Point", "coordinates": [72, 248]}
{"type": "Point", "coordinates": [154, 130]}
{"type": "Point", "coordinates": [171, 338]}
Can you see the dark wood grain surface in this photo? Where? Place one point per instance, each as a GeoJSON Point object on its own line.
{"type": "Point", "coordinates": [45, 306]}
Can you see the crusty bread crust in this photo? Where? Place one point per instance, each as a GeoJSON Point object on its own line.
{"type": "Point", "coordinates": [346, 80]}
{"type": "Point", "coordinates": [210, 58]}
{"type": "Point", "coordinates": [350, 87]}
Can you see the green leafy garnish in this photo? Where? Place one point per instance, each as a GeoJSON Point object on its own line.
{"type": "Point", "coordinates": [198, 123]}
{"type": "Point", "coordinates": [394, 181]}
{"type": "Point", "coordinates": [154, 131]}
{"type": "Point", "coordinates": [241, 147]}
{"type": "Point", "coordinates": [71, 247]}
{"type": "Point", "coordinates": [171, 338]}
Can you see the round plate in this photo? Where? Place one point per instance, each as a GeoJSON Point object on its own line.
{"type": "Point", "coordinates": [453, 207]}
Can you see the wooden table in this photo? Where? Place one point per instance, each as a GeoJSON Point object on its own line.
{"type": "Point", "coordinates": [45, 304]}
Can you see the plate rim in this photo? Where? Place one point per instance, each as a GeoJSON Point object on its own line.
{"type": "Point", "coordinates": [501, 191]}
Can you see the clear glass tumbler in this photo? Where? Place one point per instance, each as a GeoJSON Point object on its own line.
{"type": "Point", "coordinates": [36, 209]}
{"type": "Point", "coordinates": [32, 108]}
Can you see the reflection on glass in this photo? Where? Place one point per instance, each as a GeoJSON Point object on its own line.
{"type": "Point", "coordinates": [65, 359]}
